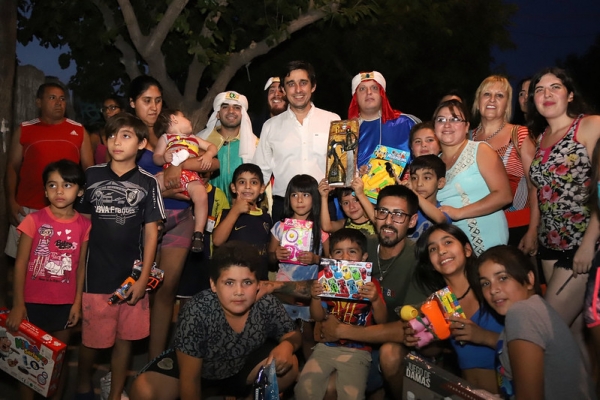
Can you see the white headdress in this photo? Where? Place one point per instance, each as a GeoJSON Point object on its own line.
{"type": "Point", "coordinates": [365, 76]}
{"type": "Point", "coordinates": [272, 80]}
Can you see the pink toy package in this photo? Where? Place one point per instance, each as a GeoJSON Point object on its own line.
{"type": "Point", "coordinates": [297, 237]}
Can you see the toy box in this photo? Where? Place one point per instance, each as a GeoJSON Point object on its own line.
{"type": "Point", "coordinates": [297, 237]}
{"type": "Point", "coordinates": [31, 356]}
{"type": "Point", "coordinates": [341, 152]}
{"type": "Point", "coordinates": [423, 380]}
{"type": "Point", "coordinates": [343, 279]}
{"type": "Point", "coordinates": [386, 165]}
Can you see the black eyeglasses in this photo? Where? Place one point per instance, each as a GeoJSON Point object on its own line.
{"type": "Point", "coordinates": [397, 216]}
{"type": "Point", "coordinates": [109, 108]}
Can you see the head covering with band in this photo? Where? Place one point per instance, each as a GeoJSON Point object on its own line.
{"type": "Point", "coordinates": [272, 80]}
{"type": "Point", "coordinates": [387, 112]}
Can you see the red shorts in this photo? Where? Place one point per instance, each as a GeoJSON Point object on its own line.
{"type": "Point", "coordinates": [103, 323]}
{"type": "Point", "coordinates": [186, 177]}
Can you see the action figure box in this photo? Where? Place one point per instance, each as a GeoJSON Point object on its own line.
{"type": "Point", "coordinates": [425, 381]}
{"type": "Point", "coordinates": [297, 237]}
{"type": "Point", "coordinates": [384, 168]}
{"type": "Point", "coordinates": [343, 279]}
{"type": "Point", "coordinates": [341, 152]}
{"type": "Point", "coordinates": [32, 356]}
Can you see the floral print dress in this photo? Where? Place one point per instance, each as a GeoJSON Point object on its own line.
{"type": "Point", "coordinates": [561, 174]}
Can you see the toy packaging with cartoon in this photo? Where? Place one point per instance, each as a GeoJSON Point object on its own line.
{"type": "Point", "coordinates": [341, 152]}
{"type": "Point", "coordinates": [297, 237]}
{"type": "Point", "coordinates": [386, 165]}
{"type": "Point", "coordinates": [423, 380]}
{"type": "Point", "coordinates": [31, 356]}
{"type": "Point", "coordinates": [343, 279]}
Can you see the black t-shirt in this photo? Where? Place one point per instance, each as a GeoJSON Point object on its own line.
{"type": "Point", "coordinates": [120, 206]}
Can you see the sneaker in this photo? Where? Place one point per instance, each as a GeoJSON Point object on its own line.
{"type": "Point", "coordinates": [105, 382]}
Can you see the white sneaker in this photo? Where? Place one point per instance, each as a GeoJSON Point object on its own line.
{"type": "Point", "coordinates": [105, 382]}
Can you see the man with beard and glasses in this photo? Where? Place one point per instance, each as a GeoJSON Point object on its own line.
{"type": "Point", "coordinates": [230, 129]}
{"type": "Point", "coordinates": [394, 262]}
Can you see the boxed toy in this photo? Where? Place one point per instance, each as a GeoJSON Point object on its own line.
{"type": "Point", "coordinates": [31, 355]}
{"type": "Point", "coordinates": [343, 279]}
{"type": "Point", "coordinates": [341, 152]}
{"type": "Point", "coordinates": [383, 169]}
{"type": "Point", "coordinates": [423, 380]}
{"type": "Point", "coordinates": [297, 237]}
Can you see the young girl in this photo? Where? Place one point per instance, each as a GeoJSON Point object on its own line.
{"type": "Point", "coordinates": [48, 283]}
{"type": "Point", "coordinates": [245, 221]}
{"type": "Point", "coordinates": [301, 202]}
{"type": "Point", "coordinates": [176, 145]}
{"type": "Point", "coordinates": [423, 140]}
{"type": "Point", "coordinates": [538, 354]}
{"type": "Point", "coordinates": [445, 255]}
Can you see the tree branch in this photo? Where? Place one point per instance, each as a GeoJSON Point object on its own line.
{"type": "Point", "coordinates": [159, 33]}
{"type": "Point", "coordinates": [133, 27]}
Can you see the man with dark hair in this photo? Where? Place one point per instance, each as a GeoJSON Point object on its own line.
{"type": "Point", "coordinates": [295, 141]}
{"type": "Point", "coordinates": [35, 144]}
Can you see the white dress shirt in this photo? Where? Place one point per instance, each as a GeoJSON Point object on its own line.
{"type": "Point", "coordinates": [287, 148]}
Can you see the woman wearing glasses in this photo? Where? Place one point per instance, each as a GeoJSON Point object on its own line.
{"type": "Point", "coordinates": [477, 186]}
{"type": "Point", "coordinates": [493, 102]}
{"type": "Point", "coordinates": [112, 105]}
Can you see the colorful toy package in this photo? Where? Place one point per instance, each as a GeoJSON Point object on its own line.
{"type": "Point", "coordinates": [383, 168]}
{"type": "Point", "coordinates": [343, 279]}
{"type": "Point", "coordinates": [341, 152]}
{"type": "Point", "coordinates": [297, 237]}
{"type": "Point", "coordinates": [31, 356]}
{"type": "Point", "coordinates": [154, 280]}
{"type": "Point", "coordinates": [432, 322]}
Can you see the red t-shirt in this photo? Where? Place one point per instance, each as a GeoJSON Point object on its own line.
{"type": "Point", "coordinates": [54, 256]}
{"type": "Point", "coordinates": [42, 144]}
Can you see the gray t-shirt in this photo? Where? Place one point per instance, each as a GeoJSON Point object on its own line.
{"type": "Point", "coordinates": [534, 320]}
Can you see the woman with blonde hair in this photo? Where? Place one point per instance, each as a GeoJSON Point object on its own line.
{"type": "Point", "coordinates": [493, 103]}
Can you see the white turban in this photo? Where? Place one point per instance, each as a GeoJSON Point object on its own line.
{"type": "Point", "coordinates": [247, 138]}
{"type": "Point", "coordinates": [272, 80]}
{"type": "Point", "coordinates": [366, 76]}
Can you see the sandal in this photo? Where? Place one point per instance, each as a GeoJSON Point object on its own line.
{"type": "Point", "coordinates": [197, 242]}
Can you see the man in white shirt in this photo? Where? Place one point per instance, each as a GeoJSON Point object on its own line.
{"type": "Point", "coordinates": [295, 141]}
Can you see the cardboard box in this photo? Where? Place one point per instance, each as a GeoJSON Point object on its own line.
{"type": "Point", "coordinates": [342, 279]}
{"type": "Point", "coordinates": [297, 237]}
{"type": "Point", "coordinates": [386, 164]}
{"type": "Point", "coordinates": [341, 152]}
{"type": "Point", "coordinates": [31, 356]}
{"type": "Point", "coordinates": [425, 381]}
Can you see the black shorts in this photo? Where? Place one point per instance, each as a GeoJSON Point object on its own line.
{"type": "Point", "coordinates": [564, 258]}
{"type": "Point", "coordinates": [235, 385]}
{"type": "Point", "coordinates": [49, 317]}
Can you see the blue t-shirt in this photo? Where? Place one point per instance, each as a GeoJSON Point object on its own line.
{"type": "Point", "coordinates": [475, 355]}
{"type": "Point", "coordinates": [146, 163]}
{"type": "Point", "coordinates": [423, 223]}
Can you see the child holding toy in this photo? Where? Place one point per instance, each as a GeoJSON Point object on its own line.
{"type": "Point", "coordinates": [48, 282]}
{"type": "Point", "coordinates": [445, 255]}
{"type": "Point", "coordinates": [538, 354]}
{"type": "Point", "coordinates": [246, 221]}
{"type": "Point", "coordinates": [350, 359]}
{"type": "Point", "coordinates": [177, 144]}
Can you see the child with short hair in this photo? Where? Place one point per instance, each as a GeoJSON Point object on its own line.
{"type": "Point", "coordinates": [427, 176]}
{"type": "Point", "coordinates": [125, 206]}
{"type": "Point", "coordinates": [224, 335]}
{"type": "Point", "coordinates": [177, 143]}
{"type": "Point", "coordinates": [422, 140]}
{"type": "Point", "coordinates": [245, 221]}
{"type": "Point", "coordinates": [350, 359]}
{"type": "Point", "coordinates": [357, 208]}
{"type": "Point", "coordinates": [48, 282]}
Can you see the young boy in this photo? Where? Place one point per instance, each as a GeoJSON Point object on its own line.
{"type": "Point", "coordinates": [224, 336]}
{"type": "Point", "coordinates": [176, 144]}
{"type": "Point", "coordinates": [125, 206]}
{"type": "Point", "coordinates": [245, 221]}
{"type": "Point", "coordinates": [350, 359]}
{"type": "Point", "coordinates": [359, 211]}
{"type": "Point", "coordinates": [423, 141]}
{"type": "Point", "coordinates": [427, 176]}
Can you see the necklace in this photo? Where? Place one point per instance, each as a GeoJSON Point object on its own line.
{"type": "Point", "coordinates": [456, 154]}
{"type": "Point", "coordinates": [383, 272]}
{"type": "Point", "coordinates": [487, 139]}
{"type": "Point", "coordinates": [466, 293]}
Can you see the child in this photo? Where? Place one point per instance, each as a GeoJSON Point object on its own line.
{"type": "Point", "coordinates": [445, 255]}
{"type": "Point", "coordinates": [48, 282]}
{"type": "Point", "coordinates": [350, 359]}
{"type": "Point", "coordinates": [423, 141]}
{"type": "Point", "coordinates": [301, 202]}
{"type": "Point", "coordinates": [223, 336]}
{"type": "Point", "coordinates": [427, 176]}
{"type": "Point", "coordinates": [359, 211]}
{"type": "Point", "coordinates": [245, 221]}
{"type": "Point", "coordinates": [194, 277]}
{"type": "Point", "coordinates": [176, 145]}
{"type": "Point", "coordinates": [538, 355]}
{"type": "Point", "coordinates": [125, 206]}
